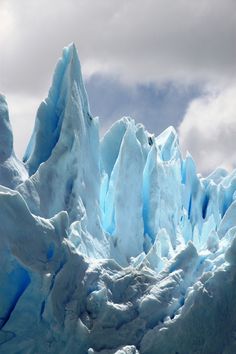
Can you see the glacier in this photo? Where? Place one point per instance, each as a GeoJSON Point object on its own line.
{"type": "Point", "coordinates": [112, 245]}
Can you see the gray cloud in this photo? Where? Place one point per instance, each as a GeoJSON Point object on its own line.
{"type": "Point", "coordinates": [156, 107]}
{"type": "Point", "coordinates": [139, 41]}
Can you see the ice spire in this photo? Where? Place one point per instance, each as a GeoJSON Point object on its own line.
{"type": "Point", "coordinates": [63, 154]}
{"type": "Point", "coordinates": [49, 119]}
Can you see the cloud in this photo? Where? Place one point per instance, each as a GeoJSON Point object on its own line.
{"type": "Point", "coordinates": [208, 130]}
{"type": "Point", "coordinates": [156, 107]}
{"type": "Point", "coordinates": [22, 111]}
{"type": "Point", "coordinates": [138, 41]}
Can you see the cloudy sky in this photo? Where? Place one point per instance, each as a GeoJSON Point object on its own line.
{"type": "Point", "coordinates": [161, 61]}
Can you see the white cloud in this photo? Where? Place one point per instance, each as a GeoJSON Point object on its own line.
{"type": "Point", "coordinates": [208, 130]}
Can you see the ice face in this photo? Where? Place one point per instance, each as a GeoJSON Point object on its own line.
{"type": "Point", "coordinates": [56, 109]}
{"type": "Point", "coordinates": [111, 246]}
{"type": "Point", "coordinates": [5, 131]}
{"type": "Point", "coordinates": [12, 170]}
{"type": "Point", "coordinates": [123, 220]}
{"type": "Point", "coordinates": [63, 155]}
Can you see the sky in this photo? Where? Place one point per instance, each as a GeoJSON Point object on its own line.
{"type": "Point", "coordinates": [163, 62]}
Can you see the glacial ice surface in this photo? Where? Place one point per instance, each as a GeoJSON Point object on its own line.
{"type": "Point", "coordinates": [115, 245]}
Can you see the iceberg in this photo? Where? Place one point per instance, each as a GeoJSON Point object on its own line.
{"type": "Point", "coordinates": [112, 245]}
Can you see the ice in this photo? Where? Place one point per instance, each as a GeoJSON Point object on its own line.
{"type": "Point", "coordinates": [111, 246]}
{"type": "Point", "coordinates": [63, 155]}
{"type": "Point", "coordinates": [227, 221]}
{"type": "Point", "coordinates": [230, 255]}
{"type": "Point", "coordinates": [12, 170]}
{"type": "Point", "coordinates": [56, 114]}
{"type": "Point", "coordinates": [123, 215]}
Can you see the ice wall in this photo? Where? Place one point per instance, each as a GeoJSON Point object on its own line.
{"type": "Point", "coordinates": [111, 246]}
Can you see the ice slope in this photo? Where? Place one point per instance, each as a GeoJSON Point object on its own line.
{"type": "Point", "coordinates": [111, 246]}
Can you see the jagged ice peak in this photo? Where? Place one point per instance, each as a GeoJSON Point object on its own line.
{"type": "Point", "coordinates": [114, 245]}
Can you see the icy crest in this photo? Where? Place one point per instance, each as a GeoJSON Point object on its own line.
{"type": "Point", "coordinates": [111, 246]}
